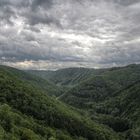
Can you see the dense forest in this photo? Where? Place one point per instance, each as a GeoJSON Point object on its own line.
{"type": "Point", "coordinates": [70, 104]}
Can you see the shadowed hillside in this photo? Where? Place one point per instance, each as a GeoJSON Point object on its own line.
{"type": "Point", "coordinates": [109, 96]}
{"type": "Point", "coordinates": [67, 77]}
{"type": "Point", "coordinates": [27, 113]}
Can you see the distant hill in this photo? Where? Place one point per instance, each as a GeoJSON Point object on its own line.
{"type": "Point", "coordinates": [111, 98]}
{"type": "Point", "coordinates": [36, 81]}
{"type": "Point", "coordinates": [74, 76]}
{"type": "Point", "coordinates": [68, 76]}
{"type": "Point", "coordinates": [100, 87]}
{"type": "Point", "coordinates": [27, 113]}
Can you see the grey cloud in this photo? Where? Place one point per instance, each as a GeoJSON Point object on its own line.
{"type": "Point", "coordinates": [32, 28]}
{"type": "Point", "coordinates": [27, 46]}
{"type": "Point", "coordinates": [31, 9]}
{"type": "Point", "coordinates": [6, 13]}
{"type": "Point", "coordinates": [4, 2]}
{"type": "Point", "coordinates": [42, 3]}
{"type": "Point", "coordinates": [41, 18]}
{"type": "Point", "coordinates": [59, 33]}
{"type": "Point", "coordinates": [126, 2]}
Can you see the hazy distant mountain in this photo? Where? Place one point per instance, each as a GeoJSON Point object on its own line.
{"type": "Point", "coordinates": [68, 76]}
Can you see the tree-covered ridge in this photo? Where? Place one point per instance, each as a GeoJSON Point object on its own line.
{"type": "Point", "coordinates": [73, 76]}
{"type": "Point", "coordinates": [107, 103]}
{"type": "Point", "coordinates": [48, 87]}
{"type": "Point", "coordinates": [99, 87]}
{"type": "Point", "coordinates": [122, 111]}
{"type": "Point", "coordinates": [16, 126]}
{"type": "Point", "coordinates": [46, 117]}
{"type": "Point", "coordinates": [111, 98]}
{"type": "Point", "coordinates": [67, 77]}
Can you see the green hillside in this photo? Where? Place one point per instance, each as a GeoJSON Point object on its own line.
{"type": "Point", "coordinates": [27, 113]}
{"type": "Point", "coordinates": [99, 104]}
{"type": "Point", "coordinates": [111, 98]}
{"type": "Point", "coordinates": [99, 87]}
{"type": "Point", "coordinates": [121, 112]}
{"type": "Point", "coordinates": [49, 88]}
{"type": "Point", "coordinates": [68, 76]}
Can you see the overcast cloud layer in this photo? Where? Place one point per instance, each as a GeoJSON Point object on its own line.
{"type": "Point", "coordinates": [52, 34]}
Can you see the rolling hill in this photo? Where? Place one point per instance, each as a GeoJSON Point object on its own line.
{"type": "Point", "coordinates": [27, 113]}
{"type": "Point", "coordinates": [99, 87]}
{"type": "Point", "coordinates": [108, 96]}
{"type": "Point", "coordinates": [122, 111]}
{"type": "Point", "coordinates": [111, 98]}
{"type": "Point", "coordinates": [48, 87]}
{"type": "Point", "coordinates": [66, 77]}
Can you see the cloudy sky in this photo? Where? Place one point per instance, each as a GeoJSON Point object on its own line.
{"type": "Point", "coordinates": [53, 34]}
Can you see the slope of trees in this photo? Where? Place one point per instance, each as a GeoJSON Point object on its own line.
{"type": "Point", "coordinates": [102, 104]}
{"type": "Point", "coordinates": [99, 87]}
{"type": "Point", "coordinates": [67, 77]}
{"type": "Point", "coordinates": [111, 98]}
{"type": "Point", "coordinates": [122, 111]}
{"type": "Point", "coordinates": [27, 113]}
{"type": "Point", "coordinates": [48, 87]}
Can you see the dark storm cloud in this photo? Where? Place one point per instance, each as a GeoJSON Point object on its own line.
{"type": "Point", "coordinates": [9, 8]}
{"type": "Point", "coordinates": [6, 12]}
{"type": "Point", "coordinates": [63, 33]}
{"type": "Point", "coordinates": [41, 3]}
{"type": "Point", "coordinates": [126, 2]}
{"type": "Point", "coordinates": [34, 18]}
{"type": "Point", "coordinates": [4, 2]}
{"type": "Point", "coordinates": [32, 28]}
